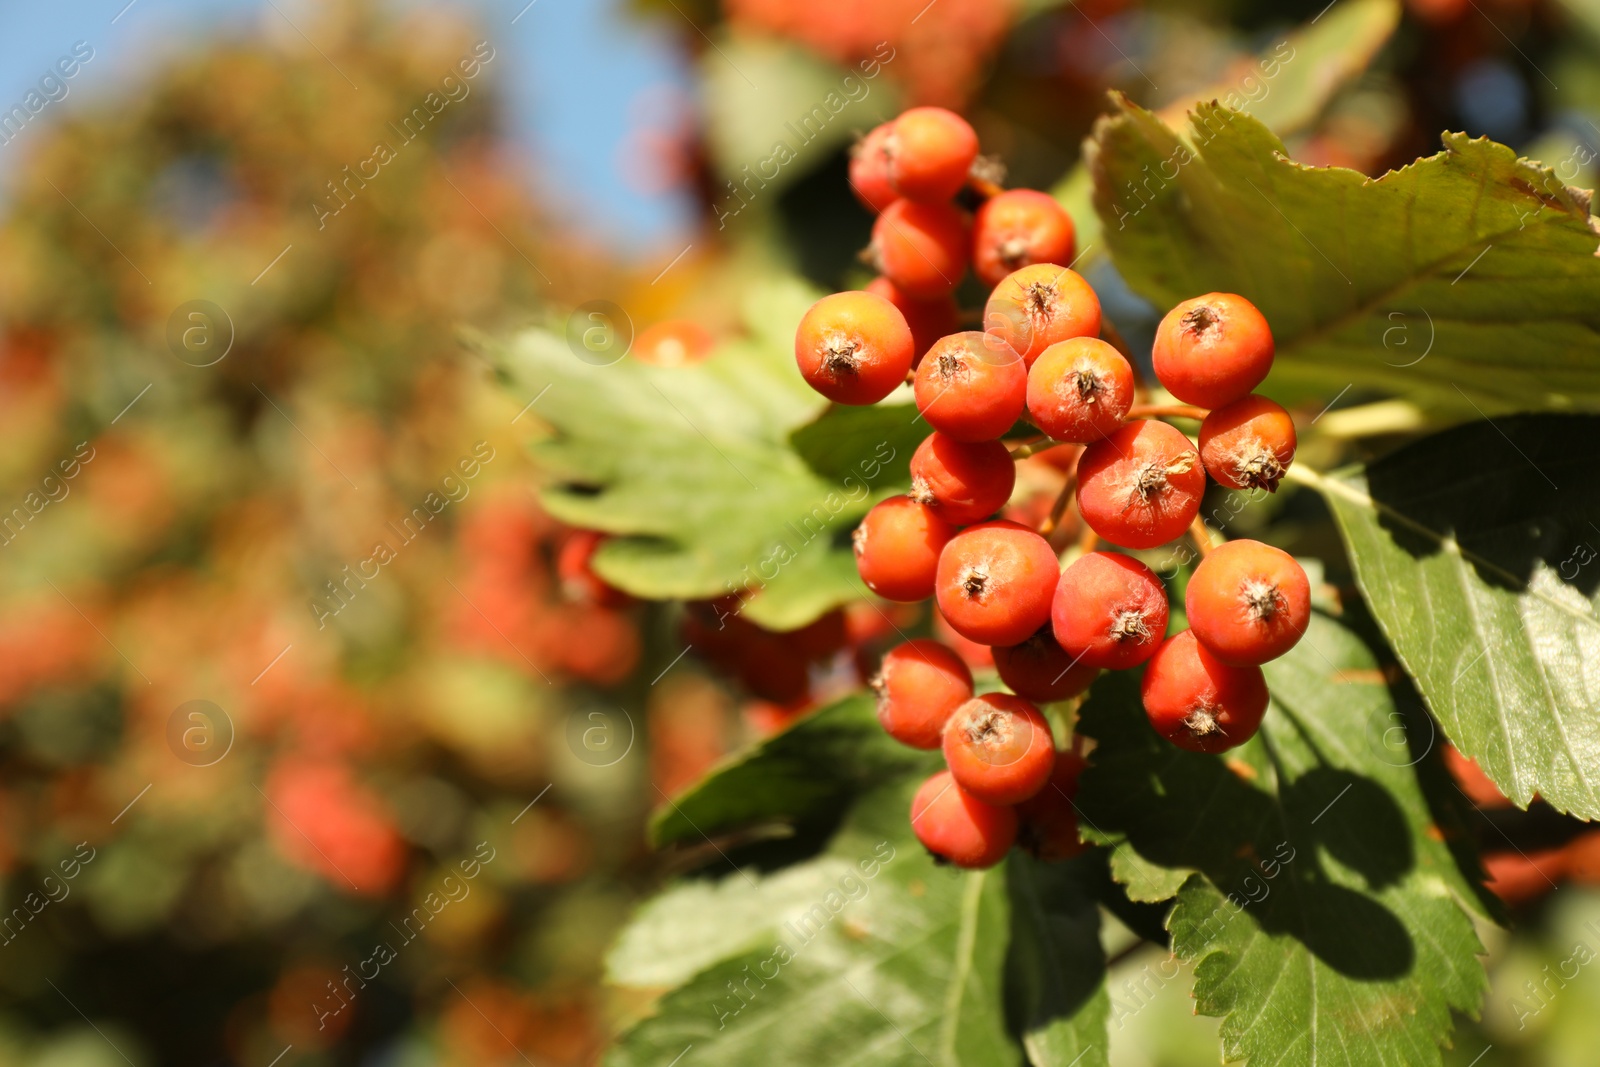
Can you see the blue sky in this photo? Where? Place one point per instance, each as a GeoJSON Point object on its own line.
{"type": "Point", "coordinates": [581, 75]}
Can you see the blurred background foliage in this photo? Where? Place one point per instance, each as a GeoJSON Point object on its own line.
{"type": "Point", "coordinates": [477, 702]}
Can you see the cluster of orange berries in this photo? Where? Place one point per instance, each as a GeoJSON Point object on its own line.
{"type": "Point", "coordinates": [1139, 485]}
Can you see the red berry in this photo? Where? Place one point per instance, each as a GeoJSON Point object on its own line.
{"type": "Point", "coordinates": [1198, 702]}
{"type": "Point", "coordinates": [1017, 228]}
{"type": "Point", "coordinates": [1033, 308]}
{"type": "Point", "coordinates": [1248, 444]}
{"type": "Point", "coordinates": [1212, 350]}
{"type": "Point", "coordinates": [574, 566]}
{"type": "Point", "coordinates": [971, 386]}
{"type": "Point", "coordinates": [1048, 820]}
{"type": "Point", "coordinates": [853, 348]}
{"type": "Point", "coordinates": [1141, 486]}
{"type": "Point", "coordinates": [1079, 390]}
{"type": "Point", "coordinates": [919, 686]}
{"type": "Point", "coordinates": [1248, 602]}
{"type": "Point", "coordinates": [922, 248]}
{"type": "Point", "coordinates": [999, 748]}
{"type": "Point", "coordinates": [930, 152]}
{"type": "Point", "coordinates": [1109, 611]}
{"type": "Point", "coordinates": [957, 827]}
{"type": "Point", "coordinates": [1041, 670]}
{"type": "Point", "coordinates": [897, 548]}
{"type": "Point", "coordinates": [869, 170]}
{"type": "Point", "coordinates": [995, 582]}
{"type": "Point", "coordinates": [963, 482]}
{"type": "Point", "coordinates": [929, 319]}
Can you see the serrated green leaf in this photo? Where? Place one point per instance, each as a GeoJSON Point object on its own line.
{"type": "Point", "coordinates": [1483, 572]}
{"type": "Point", "coordinates": [893, 961]}
{"type": "Point", "coordinates": [815, 768]}
{"type": "Point", "coordinates": [1467, 277]}
{"type": "Point", "coordinates": [698, 467]}
{"type": "Point", "coordinates": [1327, 916]}
{"type": "Point", "coordinates": [1286, 87]}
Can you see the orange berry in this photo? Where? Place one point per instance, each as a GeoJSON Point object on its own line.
{"type": "Point", "coordinates": [1248, 602]}
{"type": "Point", "coordinates": [869, 170]}
{"type": "Point", "coordinates": [963, 482]}
{"type": "Point", "coordinates": [999, 748]}
{"type": "Point", "coordinates": [897, 548]}
{"type": "Point", "coordinates": [995, 582]}
{"type": "Point", "coordinates": [1039, 305]}
{"type": "Point", "coordinates": [1248, 444]}
{"type": "Point", "coordinates": [929, 319]}
{"type": "Point", "coordinates": [1141, 486]}
{"type": "Point", "coordinates": [1212, 350]}
{"type": "Point", "coordinates": [930, 151]}
{"type": "Point", "coordinates": [971, 386]}
{"type": "Point", "coordinates": [1109, 611]}
{"type": "Point", "coordinates": [1017, 228]}
{"type": "Point", "coordinates": [1039, 669]}
{"type": "Point", "coordinates": [922, 248]}
{"type": "Point", "coordinates": [1080, 390]}
{"type": "Point", "coordinates": [853, 348]}
{"type": "Point", "coordinates": [959, 828]}
{"type": "Point", "coordinates": [919, 686]}
{"type": "Point", "coordinates": [1048, 820]}
{"type": "Point", "coordinates": [1198, 702]}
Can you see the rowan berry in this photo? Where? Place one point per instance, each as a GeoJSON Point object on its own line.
{"type": "Point", "coordinates": [1212, 350]}
{"type": "Point", "coordinates": [1079, 390]}
{"type": "Point", "coordinates": [963, 482]}
{"type": "Point", "coordinates": [999, 748]}
{"type": "Point", "coordinates": [1017, 228]}
{"type": "Point", "coordinates": [922, 248]}
{"type": "Point", "coordinates": [1033, 308]}
{"type": "Point", "coordinates": [1048, 821]}
{"type": "Point", "coordinates": [853, 348]}
{"type": "Point", "coordinates": [1248, 444]}
{"type": "Point", "coordinates": [869, 170]}
{"type": "Point", "coordinates": [897, 548]}
{"type": "Point", "coordinates": [971, 386]}
{"type": "Point", "coordinates": [1039, 669]}
{"type": "Point", "coordinates": [930, 151]}
{"type": "Point", "coordinates": [995, 582]}
{"type": "Point", "coordinates": [919, 686]}
{"type": "Point", "coordinates": [929, 319]}
{"type": "Point", "coordinates": [1248, 602]}
{"type": "Point", "coordinates": [1109, 611]}
{"type": "Point", "coordinates": [1198, 702]}
{"type": "Point", "coordinates": [959, 828]}
{"type": "Point", "coordinates": [1141, 486]}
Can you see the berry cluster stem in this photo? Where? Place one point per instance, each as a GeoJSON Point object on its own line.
{"type": "Point", "coordinates": [1059, 508]}
{"type": "Point", "coordinates": [1033, 445]}
{"type": "Point", "coordinates": [1201, 536]}
{"type": "Point", "coordinates": [1167, 411]}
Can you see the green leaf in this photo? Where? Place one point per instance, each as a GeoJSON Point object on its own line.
{"type": "Point", "coordinates": [1056, 967]}
{"type": "Point", "coordinates": [1483, 575]}
{"type": "Point", "coordinates": [1286, 86]}
{"type": "Point", "coordinates": [1325, 913]}
{"type": "Point", "coordinates": [1467, 277]}
{"type": "Point", "coordinates": [867, 953]}
{"type": "Point", "coordinates": [884, 956]}
{"type": "Point", "coordinates": [728, 475]}
{"type": "Point", "coordinates": [812, 770]}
